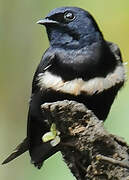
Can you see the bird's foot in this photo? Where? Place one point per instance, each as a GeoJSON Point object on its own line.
{"type": "Point", "coordinates": [52, 136]}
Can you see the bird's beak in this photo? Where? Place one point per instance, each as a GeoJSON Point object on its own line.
{"type": "Point", "coordinates": [46, 21]}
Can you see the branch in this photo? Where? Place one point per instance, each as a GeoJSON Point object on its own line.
{"type": "Point", "coordinates": [90, 152]}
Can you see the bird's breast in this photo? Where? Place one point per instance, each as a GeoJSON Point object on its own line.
{"type": "Point", "coordinates": [48, 80]}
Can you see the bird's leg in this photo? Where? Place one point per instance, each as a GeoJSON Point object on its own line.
{"type": "Point", "coordinates": [52, 136]}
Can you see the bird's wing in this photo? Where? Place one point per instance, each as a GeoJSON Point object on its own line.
{"type": "Point", "coordinates": [20, 149]}
{"type": "Point", "coordinates": [116, 50]}
{"type": "Point", "coordinates": [36, 127]}
{"type": "Point", "coordinates": [45, 63]}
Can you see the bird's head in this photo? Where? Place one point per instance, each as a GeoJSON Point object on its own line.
{"type": "Point", "coordinates": [71, 27]}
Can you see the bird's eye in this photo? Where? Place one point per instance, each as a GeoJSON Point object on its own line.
{"type": "Point", "coordinates": [69, 16]}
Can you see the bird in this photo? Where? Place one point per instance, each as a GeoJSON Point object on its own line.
{"type": "Point", "coordinates": [79, 65]}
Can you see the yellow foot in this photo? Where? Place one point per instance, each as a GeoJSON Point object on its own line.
{"type": "Point", "coordinates": [52, 136]}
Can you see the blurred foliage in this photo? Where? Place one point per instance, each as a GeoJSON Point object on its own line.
{"type": "Point", "coordinates": [22, 44]}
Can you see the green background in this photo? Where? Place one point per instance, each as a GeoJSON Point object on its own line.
{"type": "Point", "coordinates": [22, 43]}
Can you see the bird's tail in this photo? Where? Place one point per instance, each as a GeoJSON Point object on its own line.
{"type": "Point", "coordinates": [20, 149]}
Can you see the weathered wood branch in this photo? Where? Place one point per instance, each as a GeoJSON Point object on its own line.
{"type": "Point", "coordinates": [89, 150]}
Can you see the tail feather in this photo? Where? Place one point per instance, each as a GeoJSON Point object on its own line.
{"type": "Point", "coordinates": [20, 149]}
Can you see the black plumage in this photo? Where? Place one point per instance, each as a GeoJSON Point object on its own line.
{"type": "Point", "coordinates": [79, 65]}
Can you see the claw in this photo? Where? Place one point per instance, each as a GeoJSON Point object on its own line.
{"type": "Point", "coordinates": [48, 137]}
{"type": "Point", "coordinates": [52, 136]}
{"type": "Point", "coordinates": [55, 141]}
